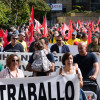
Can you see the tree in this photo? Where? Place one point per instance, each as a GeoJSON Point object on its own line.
{"type": "Point", "coordinates": [40, 8]}
{"type": "Point", "coordinates": [4, 12]}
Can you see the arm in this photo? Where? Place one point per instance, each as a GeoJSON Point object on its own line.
{"type": "Point", "coordinates": [96, 71]}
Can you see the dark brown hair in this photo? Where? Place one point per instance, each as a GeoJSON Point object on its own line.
{"type": "Point", "coordinates": [65, 57]}
{"type": "Point", "coordinates": [39, 45]}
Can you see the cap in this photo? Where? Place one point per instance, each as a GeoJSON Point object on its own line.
{"type": "Point", "coordinates": [74, 33]}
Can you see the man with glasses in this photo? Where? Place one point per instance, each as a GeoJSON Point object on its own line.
{"type": "Point", "coordinates": [14, 46]}
{"type": "Point", "coordinates": [93, 46]}
{"type": "Point", "coordinates": [59, 47]}
{"type": "Point", "coordinates": [21, 40]}
{"type": "Point", "coordinates": [74, 39]}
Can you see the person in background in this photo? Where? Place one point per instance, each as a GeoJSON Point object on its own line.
{"type": "Point", "coordinates": [74, 39]}
{"type": "Point", "coordinates": [93, 46]}
{"type": "Point", "coordinates": [21, 40]}
{"type": "Point", "coordinates": [84, 38]}
{"type": "Point", "coordinates": [49, 56]}
{"type": "Point", "coordinates": [12, 70]}
{"type": "Point", "coordinates": [1, 44]}
{"type": "Point", "coordinates": [36, 36]}
{"type": "Point", "coordinates": [14, 46]}
{"type": "Point", "coordinates": [59, 47]}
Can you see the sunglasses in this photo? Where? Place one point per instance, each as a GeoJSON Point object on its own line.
{"type": "Point", "coordinates": [58, 40]}
{"type": "Point", "coordinates": [15, 38]}
{"type": "Point", "coordinates": [92, 37]}
{"type": "Point", "coordinates": [15, 60]}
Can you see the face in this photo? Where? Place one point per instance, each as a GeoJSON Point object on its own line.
{"type": "Point", "coordinates": [69, 61]}
{"type": "Point", "coordinates": [85, 38]}
{"type": "Point", "coordinates": [95, 41]}
{"type": "Point", "coordinates": [22, 37]}
{"type": "Point", "coordinates": [15, 62]}
{"type": "Point", "coordinates": [59, 41]}
{"type": "Point", "coordinates": [14, 40]}
{"type": "Point", "coordinates": [43, 41]}
{"type": "Point", "coordinates": [82, 49]}
{"type": "Point", "coordinates": [73, 36]}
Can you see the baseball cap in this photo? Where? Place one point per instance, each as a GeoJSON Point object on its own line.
{"type": "Point", "coordinates": [74, 33]}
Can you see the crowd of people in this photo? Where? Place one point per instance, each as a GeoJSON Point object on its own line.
{"type": "Point", "coordinates": [42, 62]}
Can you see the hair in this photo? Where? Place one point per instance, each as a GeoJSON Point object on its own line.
{"type": "Point", "coordinates": [14, 35]}
{"type": "Point", "coordinates": [65, 57]}
{"type": "Point", "coordinates": [83, 35]}
{"type": "Point", "coordinates": [39, 45]}
{"type": "Point", "coordinates": [60, 35]}
{"type": "Point", "coordinates": [10, 58]}
{"type": "Point", "coordinates": [9, 37]}
{"type": "Point", "coordinates": [45, 39]}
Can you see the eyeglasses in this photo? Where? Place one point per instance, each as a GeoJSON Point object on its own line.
{"type": "Point", "coordinates": [15, 60]}
{"type": "Point", "coordinates": [15, 38]}
{"type": "Point", "coordinates": [92, 37]}
{"type": "Point", "coordinates": [58, 40]}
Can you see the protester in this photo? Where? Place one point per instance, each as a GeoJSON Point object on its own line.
{"type": "Point", "coordinates": [49, 56]}
{"type": "Point", "coordinates": [21, 40]}
{"type": "Point", "coordinates": [36, 36]}
{"type": "Point", "coordinates": [84, 38]}
{"type": "Point", "coordinates": [74, 39]}
{"type": "Point", "coordinates": [59, 47]}
{"type": "Point", "coordinates": [87, 63]}
{"type": "Point", "coordinates": [70, 69]}
{"type": "Point", "coordinates": [12, 70]}
{"type": "Point", "coordinates": [14, 46]}
{"type": "Point", "coordinates": [41, 62]}
{"type": "Point", "coordinates": [93, 46]}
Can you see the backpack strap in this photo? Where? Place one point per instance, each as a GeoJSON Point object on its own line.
{"type": "Point", "coordinates": [60, 71]}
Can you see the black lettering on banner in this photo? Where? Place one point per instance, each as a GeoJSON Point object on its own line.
{"type": "Point", "coordinates": [49, 92]}
{"type": "Point", "coordinates": [2, 87]}
{"type": "Point", "coordinates": [31, 93]}
{"type": "Point", "coordinates": [11, 96]}
{"type": "Point", "coordinates": [58, 92]}
{"type": "Point", "coordinates": [24, 57]}
{"type": "Point", "coordinates": [23, 67]}
{"type": "Point", "coordinates": [56, 58]}
{"type": "Point", "coordinates": [60, 58]}
{"type": "Point", "coordinates": [4, 56]}
{"type": "Point", "coordinates": [69, 83]}
{"type": "Point", "coordinates": [42, 91]}
{"type": "Point", "coordinates": [21, 92]}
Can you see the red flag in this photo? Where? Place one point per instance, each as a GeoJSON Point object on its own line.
{"type": "Point", "coordinates": [44, 25]}
{"type": "Point", "coordinates": [97, 29]}
{"type": "Point", "coordinates": [64, 28]}
{"type": "Point", "coordinates": [70, 31]}
{"type": "Point", "coordinates": [38, 26]}
{"type": "Point", "coordinates": [89, 36]}
{"type": "Point", "coordinates": [4, 36]}
{"type": "Point", "coordinates": [31, 25]}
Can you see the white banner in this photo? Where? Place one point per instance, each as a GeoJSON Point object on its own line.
{"type": "Point", "coordinates": [56, 7]}
{"type": "Point", "coordinates": [40, 88]}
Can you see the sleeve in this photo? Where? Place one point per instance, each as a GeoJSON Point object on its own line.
{"type": "Point", "coordinates": [94, 58]}
{"type": "Point", "coordinates": [51, 57]}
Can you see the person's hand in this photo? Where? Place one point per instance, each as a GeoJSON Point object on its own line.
{"type": "Point", "coordinates": [98, 53]}
{"type": "Point", "coordinates": [93, 77]}
{"type": "Point", "coordinates": [54, 52]}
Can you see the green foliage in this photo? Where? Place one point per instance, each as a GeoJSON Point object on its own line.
{"type": "Point", "coordinates": [97, 11]}
{"type": "Point", "coordinates": [4, 11]}
{"type": "Point", "coordinates": [40, 8]}
{"type": "Point", "coordinates": [77, 7]}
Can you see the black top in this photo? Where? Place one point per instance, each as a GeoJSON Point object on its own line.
{"type": "Point", "coordinates": [17, 48]}
{"type": "Point", "coordinates": [85, 64]}
{"type": "Point", "coordinates": [31, 47]}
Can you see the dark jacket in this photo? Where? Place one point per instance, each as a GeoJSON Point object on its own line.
{"type": "Point", "coordinates": [55, 47]}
